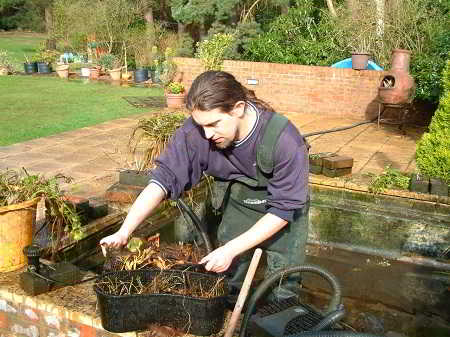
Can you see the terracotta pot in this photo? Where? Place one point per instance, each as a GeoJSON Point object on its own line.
{"type": "Point", "coordinates": [95, 73]}
{"type": "Point", "coordinates": [175, 100]}
{"type": "Point", "coordinates": [115, 74]}
{"type": "Point", "coordinates": [360, 61]}
{"type": "Point", "coordinates": [126, 76]}
{"type": "Point", "coordinates": [3, 71]}
{"type": "Point", "coordinates": [62, 70]}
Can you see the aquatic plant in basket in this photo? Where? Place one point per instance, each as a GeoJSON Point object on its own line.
{"type": "Point", "coordinates": [21, 187]}
{"type": "Point", "coordinates": [191, 302]}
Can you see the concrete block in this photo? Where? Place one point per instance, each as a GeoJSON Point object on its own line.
{"type": "Point", "coordinates": [337, 172]}
{"type": "Point", "coordinates": [97, 208]}
{"type": "Point", "coordinates": [133, 178]}
{"type": "Point", "coordinates": [316, 169]}
{"type": "Point", "coordinates": [123, 193]}
{"type": "Point", "coordinates": [338, 162]}
{"type": "Point", "coordinates": [438, 186]}
{"type": "Point", "coordinates": [419, 183]}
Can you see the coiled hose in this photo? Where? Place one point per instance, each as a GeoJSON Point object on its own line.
{"type": "Point", "coordinates": [275, 277]}
{"type": "Point", "coordinates": [197, 223]}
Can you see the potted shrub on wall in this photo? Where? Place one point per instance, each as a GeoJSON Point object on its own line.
{"type": "Point", "coordinates": [19, 195]}
{"type": "Point", "coordinates": [175, 95]}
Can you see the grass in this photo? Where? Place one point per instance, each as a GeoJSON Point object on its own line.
{"type": "Point", "coordinates": [35, 106]}
{"type": "Point", "coordinates": [19, 44]}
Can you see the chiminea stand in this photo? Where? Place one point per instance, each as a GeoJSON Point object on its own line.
{"type": "Point", "coordinates": [403, 107]}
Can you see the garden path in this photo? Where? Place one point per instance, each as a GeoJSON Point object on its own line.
{"type": "Point", "coordinates": [93, 155]}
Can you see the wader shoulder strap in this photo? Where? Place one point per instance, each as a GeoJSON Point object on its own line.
{"type": "Point", "coordinates": [266, 149]}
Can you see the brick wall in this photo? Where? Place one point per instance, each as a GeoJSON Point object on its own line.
{"type": "Point", "coordinates": [302, 89]}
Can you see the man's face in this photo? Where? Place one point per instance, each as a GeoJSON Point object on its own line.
{"type": "Point", "coordinates": [221, 128]}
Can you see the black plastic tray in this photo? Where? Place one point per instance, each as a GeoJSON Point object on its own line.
{"type": "Point", "coordinates": [134, 312]}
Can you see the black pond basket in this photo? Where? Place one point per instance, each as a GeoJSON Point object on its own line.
{"type": "Point", "coordinates": [124, 313]}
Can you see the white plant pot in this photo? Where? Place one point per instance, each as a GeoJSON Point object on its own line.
{"type": "Point", "coordinates": [85, 72]}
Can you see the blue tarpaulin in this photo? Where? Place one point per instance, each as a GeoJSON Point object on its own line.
{"type": "Point", "coordinates": [347, 63]}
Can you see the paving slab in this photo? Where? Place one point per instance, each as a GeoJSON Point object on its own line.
{"type": "Point", "coordinates": [93, 155]}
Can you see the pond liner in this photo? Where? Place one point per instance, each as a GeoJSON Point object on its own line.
{"type": "Point", "coordinates": [133, 312]}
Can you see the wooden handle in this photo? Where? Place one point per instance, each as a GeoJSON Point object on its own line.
{"type": "Point", "coordinates": [243, 293]}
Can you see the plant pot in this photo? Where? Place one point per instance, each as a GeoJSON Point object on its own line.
{"type": "Point", "coordinates": [16, 232]}
{"type": "Point", "coordinates": [131, 312]}
{"type": "Point", "coordinates": [140, 75]}
{"type": "Point", "coordinates": [115, 74]}
{"type": "Point", "coordinates": [94, 73]}
{"type": "Point", "coordinates": [30, 68]}
{"type": "Point", "coordinates": [156, 76]}
{"type": "Point", "coordinates": [126, 76]}
{"type": "Point", "coordinates": [3, 71]}
{"type": "Point", "coordinates": [44, 68]}
{"type": "Point", "coordinates": [62, 70]}
{"type": "Point", "coordinates": [85, 72]}
{"type": "Point", "coordinates": [175, 101]}
{"type": "Point", "coordinates": [360, 61]}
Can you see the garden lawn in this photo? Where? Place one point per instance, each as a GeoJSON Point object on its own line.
{"type": "Point", "coordinates": [35, 106]}
{"type": "Point", "coordinates": [19, 44]}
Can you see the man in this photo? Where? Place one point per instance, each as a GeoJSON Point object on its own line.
{"type": "Point", "coordinates": [260, 157]}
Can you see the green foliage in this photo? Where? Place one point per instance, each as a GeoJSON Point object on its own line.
{"type": "Point", "coordinates": [22, 14]}
{"type": "Point", "coordinates": [390, 178]}
{"type": "Point", "coordinates": [304, 35]}
{"type": "Point", "coordinates": [47, 56]}
{"type": "Point", "coordinates": [109, 61]}
{"type": "Point", "coordinates": [211, 51]}
{"type": "Point", "coordinates": [5, 61]}
{"type": "Point", "coordinates": [152, 135]}
{"type": "Point", "coordinates": [186, 46]}
{"type": "Point", "coordinates": [192, 12]}
{"type": "Point", "coordinates": [175, 88]}
{"type": "Point", "coordinates": [166, 68]}
{"type": "Point", "coordinates": [433, 149]}
{"type": "Point", "coordinates": [16, 187]}
{"type": "Point", "coordinates": [243, 34]}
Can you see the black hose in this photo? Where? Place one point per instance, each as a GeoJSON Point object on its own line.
{"type": "Point", "coordinates": [329, 320]}
{"type": "Point", "coordinates": [332, 334]}
{"type": "Point", "coordinates": [264, 286]}
{"type": "Point", "coordinates": [197, 223]}
{"type": "Point", "coordinates": [339, 129]}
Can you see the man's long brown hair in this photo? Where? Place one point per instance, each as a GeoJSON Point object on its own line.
{"type": "Point", "coordinates": [219, 89]}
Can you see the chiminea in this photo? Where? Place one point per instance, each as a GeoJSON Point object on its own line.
{"type": "Point", "coordinates": [397, 87]}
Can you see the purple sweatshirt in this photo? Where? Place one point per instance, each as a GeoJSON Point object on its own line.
{"type": "Point", "coordinates": [189, 155]}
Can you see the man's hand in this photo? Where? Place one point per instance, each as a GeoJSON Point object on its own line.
{"type": "Point", "coordinates": [219, 260]}
{"type": "Point", "coordinates": [115, 240]}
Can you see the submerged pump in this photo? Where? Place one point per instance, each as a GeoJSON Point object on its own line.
{"type": "Point", "coordinates": [40, 278]}
{"type": "Point", "coordinates": [291, 318]}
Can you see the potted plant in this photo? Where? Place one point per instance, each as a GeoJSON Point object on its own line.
{"type": "Point", "coordinates": [46, 57]}
{"type": "Point", "coordinates": [62, 69]}
{"type": "Point", "coordinates": [175, 95]}
{"type": "Point", "coordinates": [111, 64]}
{"type": "Point", "coordinates": [30, 65]}
{"type": "Point", "coordinates": [6, 66]}
{"type": "Point", "coordinates": [361, 53]}
{"type": "Point", "coordinates": [19, 195]}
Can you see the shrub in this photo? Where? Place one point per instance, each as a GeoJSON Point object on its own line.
{"type": "Point", "coordinates": [304, 35]}
{"type": "Point", "coordinates": [211, 51]}
{"type": "Point", "coordinates": [175, 88]}
{"type": "Point", "coordinates": [390, 178]}
{"type": "Point", "coordinates": [433, 149]}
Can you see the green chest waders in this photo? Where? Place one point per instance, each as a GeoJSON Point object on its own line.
{"type": "Point", "coordinates": [244, 204]}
